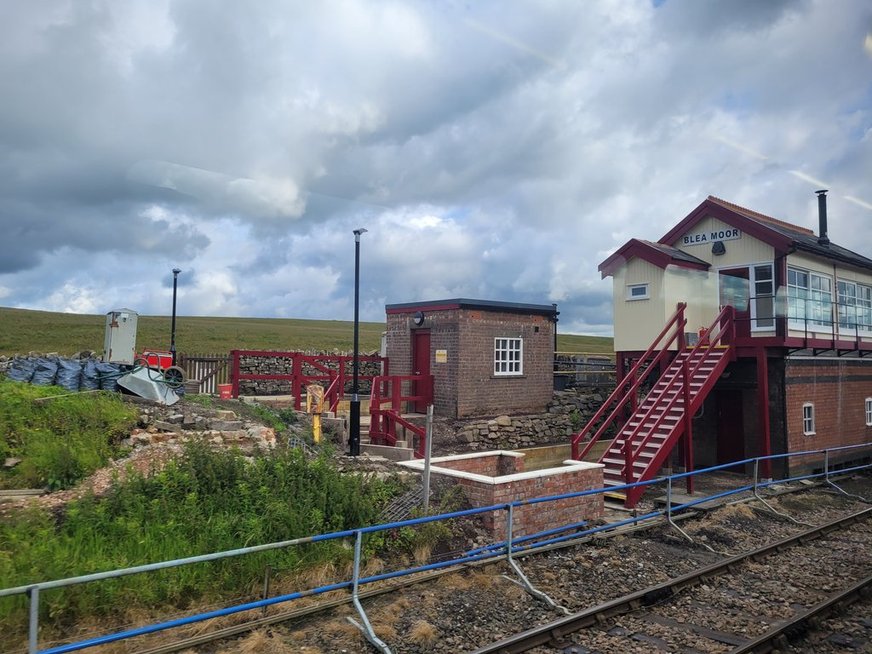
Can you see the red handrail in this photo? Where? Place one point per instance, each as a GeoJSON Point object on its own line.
{"type": "Point", "coordinates": [383, 422]}
{"type": "Point", "coordinates": [624, 394]}
{"type": "Point", "coordinates": [675, 383]}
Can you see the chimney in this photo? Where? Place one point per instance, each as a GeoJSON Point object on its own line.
{"type": "Point", "coordinates": [822, 217]}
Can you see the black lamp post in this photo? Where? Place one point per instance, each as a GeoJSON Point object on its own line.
{"type": "Point", "coordinates": [176, 272]}
{"type": "Point", "coordinates": [354, 431]}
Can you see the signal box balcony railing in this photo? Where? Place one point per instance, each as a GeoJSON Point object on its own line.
{"type": "Point", "coordinates": [333, 371]}
{"type": "Point", "coordinates": [804, 323]}
{"type": "Point", "coordinates": [392, 396]}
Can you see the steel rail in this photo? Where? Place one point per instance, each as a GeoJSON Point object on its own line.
{"type": "Point", "coordinates": [804, 620]}
{"type": "Point", "coordinates": [556, 631]}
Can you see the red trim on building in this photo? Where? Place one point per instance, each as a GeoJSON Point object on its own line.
{"type": "Point", "coordinates": [709, 207]}
{"type": "Point", "coordinates": [648, 252]}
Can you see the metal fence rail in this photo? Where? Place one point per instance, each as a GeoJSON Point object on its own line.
{"type": "Point", "coordinates": [499, 550]}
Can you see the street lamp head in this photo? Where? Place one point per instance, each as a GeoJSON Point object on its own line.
{"type": "Point", "coordinates": [176, 271]}
{"type": "Point", "coordinates": [358, 232]}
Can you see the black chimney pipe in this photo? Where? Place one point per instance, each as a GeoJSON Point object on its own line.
{"type": "Point", "coordinates": [822, 217]}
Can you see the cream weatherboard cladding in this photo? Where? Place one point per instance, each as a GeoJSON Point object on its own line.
{"type": "Point", "coordinates": [635, 317]}
{"type": "Point", "coordinates": [739, 252]}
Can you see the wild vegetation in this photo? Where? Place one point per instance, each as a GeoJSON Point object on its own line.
{"type": "Point", "coordinates": [203, 501]}
{"type": "Point", "coordinates": [59, 437]}
{"type": "Point", "coordinates": [42, 331]}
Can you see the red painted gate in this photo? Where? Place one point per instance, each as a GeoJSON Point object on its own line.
{"type": "Point", "coordinates": [420, 364]}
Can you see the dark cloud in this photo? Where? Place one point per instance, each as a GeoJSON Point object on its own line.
{"type": "Point", "coordinates": [491, 153]}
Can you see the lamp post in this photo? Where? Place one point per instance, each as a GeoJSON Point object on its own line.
{"type": "Point", "coordinates": [176, 272]}
{"type": "Point", "coordinates": [354, 431]}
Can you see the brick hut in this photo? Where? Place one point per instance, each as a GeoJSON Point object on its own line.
{"type": "Point", "coordinates": [486, 357]}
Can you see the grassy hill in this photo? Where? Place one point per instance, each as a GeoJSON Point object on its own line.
{"type": "Point", "coordinates": [22, 331]}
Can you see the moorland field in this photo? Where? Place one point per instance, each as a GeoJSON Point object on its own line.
{"type": "Point", "coordinates": [23, 331]}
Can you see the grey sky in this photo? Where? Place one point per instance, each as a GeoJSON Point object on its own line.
{"type": "Point", "coordinates": [493, 150]}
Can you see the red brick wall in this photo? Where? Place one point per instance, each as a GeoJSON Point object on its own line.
{"type": "Point", "coordinates": [547, 515]}
{"type": "Point", "coordinates": [537, 517]}
{"type": "Point", "coordinates": [479, 391]}
{"type": "Point", "coordinates": [490, 465]}
{"type": "Point", "coordinates": [465, 385]}
{"type": "Point", "coordinates": [838, 390]}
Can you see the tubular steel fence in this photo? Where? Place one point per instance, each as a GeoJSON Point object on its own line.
{"type": "Point", "coordinates": [497, 551]}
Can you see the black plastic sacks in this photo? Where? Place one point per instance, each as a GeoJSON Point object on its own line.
{"type": "Point", "coordinates": [90, 379]}
{"type": "Point", "coordinates": [45, 372]}
{"type": "Point", "coordinates": [69, 374]}
{"type": "Point", "coordinates": [108, 374]}
{"type": "Point", "coordinates": [21, 370]}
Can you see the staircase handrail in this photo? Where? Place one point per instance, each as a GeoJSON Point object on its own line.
{"type": "Point", "coordinates": [623, 393]}
{"type": "Point", "coordinates": [726, 314]}
{"type": "Point", "coordinates": [630, 454]}
{"type": "Point", "coordinates": [332, 394]}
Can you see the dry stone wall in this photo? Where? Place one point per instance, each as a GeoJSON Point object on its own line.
{"type": "Point", "coordinates": [567, 412]}
{"type": "Point", "coordinates": [278, 365]}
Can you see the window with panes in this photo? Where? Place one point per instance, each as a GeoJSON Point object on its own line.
{"type": "Point", "coordinates": [855, 306]}
{"type": "Point", "coordinates": [808, 419]}
{"type": "Point", "coordinates": [508, 356]}
{"type": "Point", "coordinates": [809, 298]}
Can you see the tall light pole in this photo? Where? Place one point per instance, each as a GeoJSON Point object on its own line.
{"type": "Point", "coordinates": [354, 431]}
{"type": "Point", "coordinates": [176, 272]}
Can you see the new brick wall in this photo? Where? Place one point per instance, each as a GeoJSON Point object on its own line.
{"type": "Point", "coordinates": [533, 518]}
{"type": "Point", "coordinates": [838, 389]}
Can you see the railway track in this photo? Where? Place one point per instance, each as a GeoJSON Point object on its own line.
{"type": "Point", "coordinates": [477, 603]}
{"type": "Point", "coordinates": [753, 602]}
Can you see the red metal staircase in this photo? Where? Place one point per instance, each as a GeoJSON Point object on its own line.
{"type": "Point", "coordinates": [641, 444]}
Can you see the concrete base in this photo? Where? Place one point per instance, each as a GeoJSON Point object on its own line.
{"type": "Point", "coordinates": [388, 452]}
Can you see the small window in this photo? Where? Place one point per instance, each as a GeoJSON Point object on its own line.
{"type": "Point", "coordinates": [637, 292]}
{"type": "Point", "coordinates": [869, 411]}
{"type": "Point", "coordinates": [808, 419]}
{"type": "Point", "coordinates": [508, 356]}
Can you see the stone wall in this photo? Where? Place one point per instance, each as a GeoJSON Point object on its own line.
{"type": "Point", "coordinates": [284, 365]}
{"type": "Point", "coordinates": [567, 412]}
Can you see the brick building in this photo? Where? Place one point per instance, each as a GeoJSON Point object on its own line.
{"type": "Point", "coordinates": [767, 344]}
{"type": "Point", "coordinates": [486, 358]}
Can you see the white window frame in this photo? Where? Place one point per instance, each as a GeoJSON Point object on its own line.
{"type": "Point", "coordinates": [869, 411]}
{"type": "Point", "coordinates": [808, 427]}
{"type": "Point", "coordinates": [811, 298]}
{"type": "Point", "coordinates": [855, 306]}
{"type": "Point", "coordinates": [864, 307]}
{"type": "Point", "coordinates": [508, 356]}
{"type": "Point", "coordinates": [632, 287]}
{"type": "Point", "coordinates": [755, 284]}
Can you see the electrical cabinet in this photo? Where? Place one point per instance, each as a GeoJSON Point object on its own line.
{"type": "Point", "coordinates": [119, 343]}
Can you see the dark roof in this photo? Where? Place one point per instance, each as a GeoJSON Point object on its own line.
{"type": "Point", "coordinates": [783, 236]}
{"type": "Point", "coordinates": [659, 254]}
{"type": "Point", "coordinates": [465, 303]}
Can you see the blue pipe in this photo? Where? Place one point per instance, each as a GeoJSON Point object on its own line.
{"type": "Point", "coordinates": [487, 552]}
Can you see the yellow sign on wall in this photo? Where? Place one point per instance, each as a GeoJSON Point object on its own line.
{"type": "Point", "coordinates": [441, 356]}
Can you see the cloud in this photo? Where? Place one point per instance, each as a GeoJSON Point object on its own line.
{"type": "Point", "coordinates": [490, 153]}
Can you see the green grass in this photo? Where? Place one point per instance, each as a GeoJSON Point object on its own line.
{"type": "Point", "coordinates": [204, 501]}
{"type": "Point", "coordinates": [62, 440]}
{"type": "Point", "coordinates": [42, 331]}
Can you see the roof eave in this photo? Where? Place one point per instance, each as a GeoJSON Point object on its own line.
{"type": "Point", "coordinates": [709, 208]}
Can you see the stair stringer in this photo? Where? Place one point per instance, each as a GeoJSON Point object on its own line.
{"type": "Point", "coordinates": [677, 430]}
